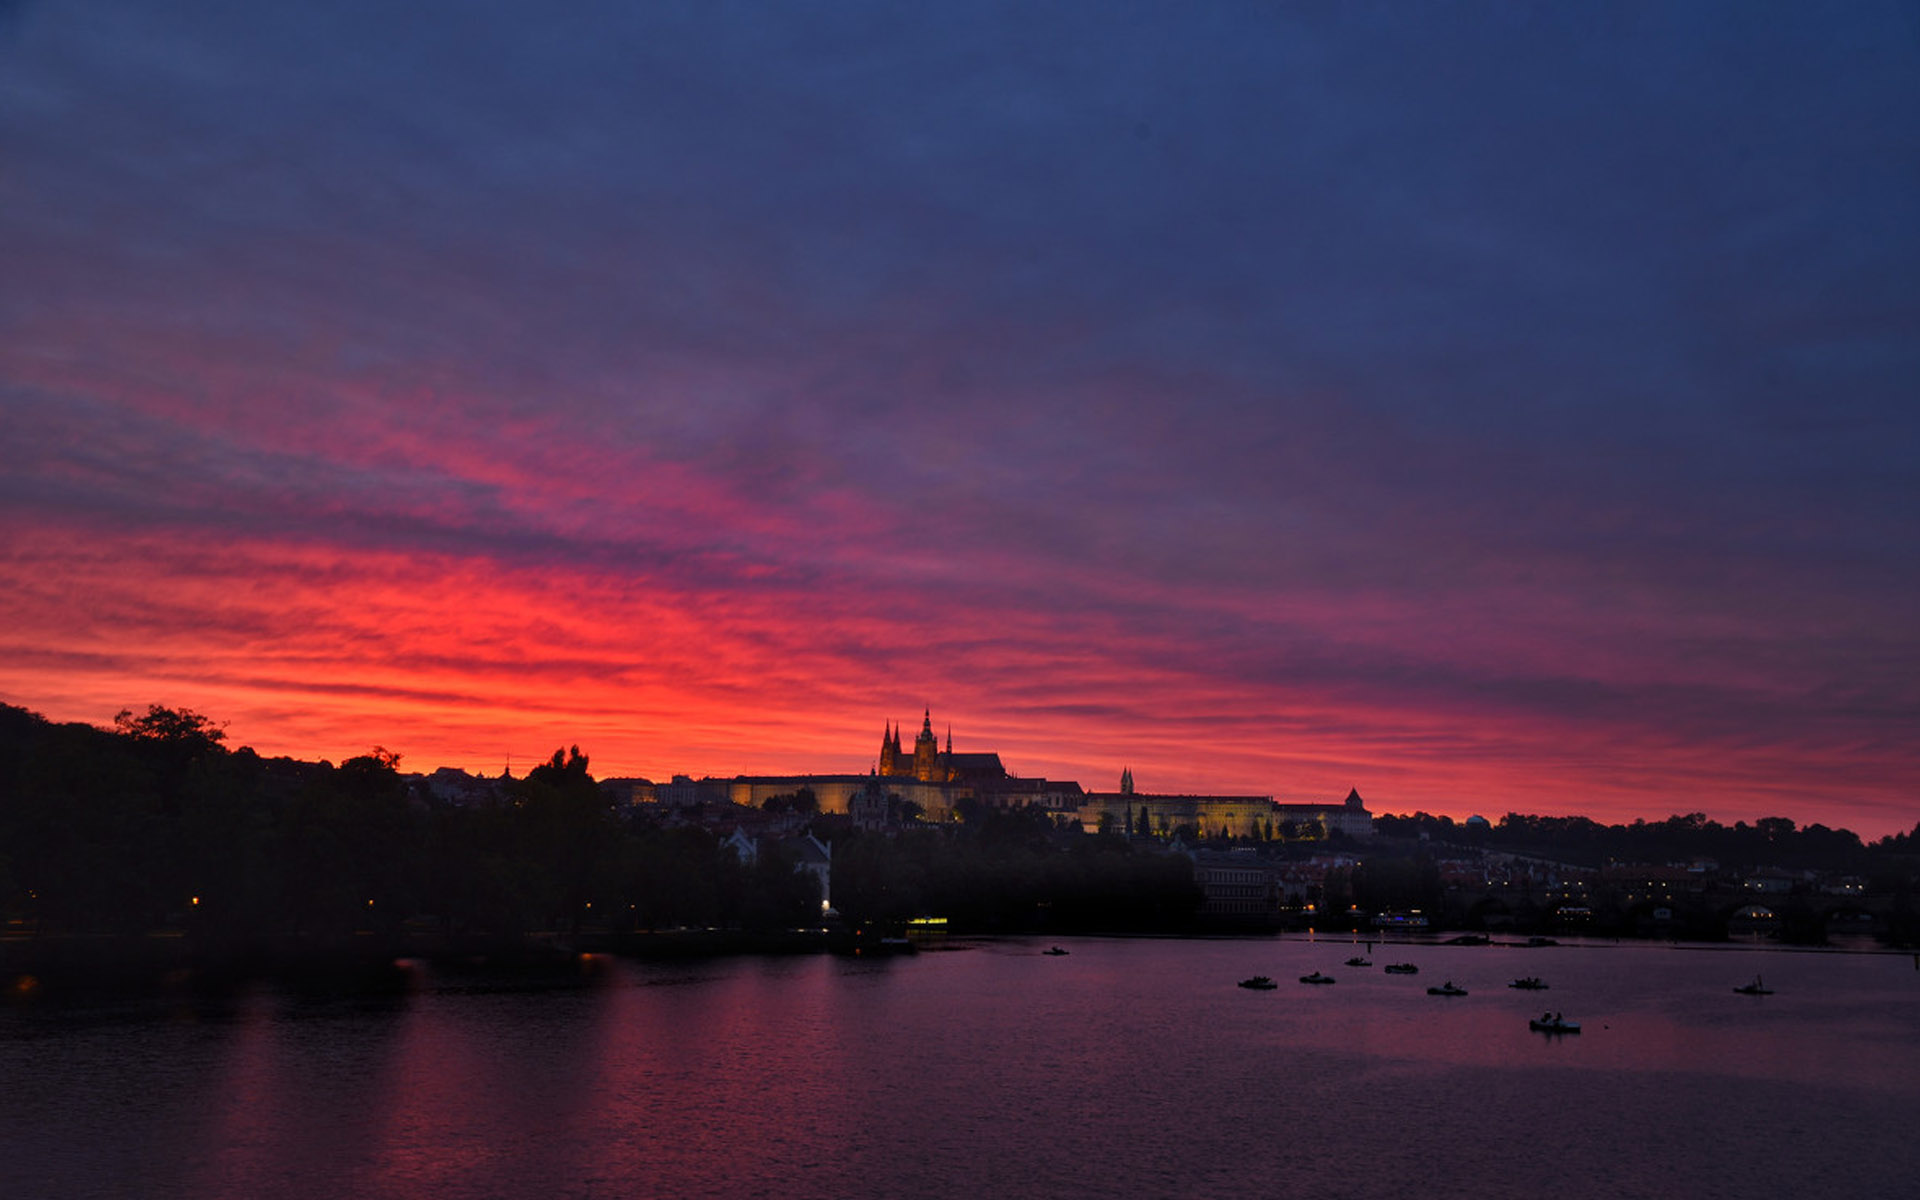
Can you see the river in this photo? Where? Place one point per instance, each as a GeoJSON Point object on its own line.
{"type": "Point", "coordinates": [1127, 1067]}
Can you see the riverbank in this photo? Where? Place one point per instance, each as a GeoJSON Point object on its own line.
{"type": "Point", "coordinates": [366, 961]}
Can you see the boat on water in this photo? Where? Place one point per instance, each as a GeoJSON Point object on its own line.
{"type": "Point", "coordinates": [1259, 983]}
{"type": "Point", "coordinates": [1449, 988]}
{"type": "Point", "coordinates": [1316, 977]}
{"type": "Point", "coordinates": [1402, 969]}
{"type": "Point", "coordinates": [1553, 1023]}
{"type": "Point", "coordinates": [1056, 951]}
{"type": "Point", "coordinates": [1756, 988]}
{"type": "Point", "coordinates": [1529, 983]}
{"type": "Point", "coordinates": [1357, 961]}
{"type": "Point", "coordinates": [1541, 941]}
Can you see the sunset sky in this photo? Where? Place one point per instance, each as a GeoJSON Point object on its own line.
{"type": "Point", "coordinates": [1492, 407]}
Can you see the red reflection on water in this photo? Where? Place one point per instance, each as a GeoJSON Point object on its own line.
{"type": "Point", "coordinates": [687, 1058]}
{"type": "Point", "coordinates": [433, 1115]}
{"type": "Point", "coordinates": [240, 1146]}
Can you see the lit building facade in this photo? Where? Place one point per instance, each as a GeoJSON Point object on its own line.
{"type": "Point", "coordinates": [1221, 816]}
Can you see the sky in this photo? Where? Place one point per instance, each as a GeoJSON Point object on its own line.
{"type": "Point", "coordinates": [1490, 407]}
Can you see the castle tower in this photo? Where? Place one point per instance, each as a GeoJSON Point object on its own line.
{"type": "Point", "coordinates": [1126, 781]}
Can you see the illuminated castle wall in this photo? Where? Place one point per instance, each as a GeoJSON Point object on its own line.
{"type": "Point", "coordinates": [837, 793]}
{"type": "Point", "coordinates": [1236, 816]}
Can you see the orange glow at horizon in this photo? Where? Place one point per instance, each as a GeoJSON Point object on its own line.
{"type": "Point", "coordinates": [318, 651]}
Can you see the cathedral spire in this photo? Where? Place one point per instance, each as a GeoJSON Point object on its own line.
{"type": "Point", "coordinates": [949, 739]}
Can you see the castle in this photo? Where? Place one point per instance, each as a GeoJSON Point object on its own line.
{"type": "Point", "coordinates": [937, 782]}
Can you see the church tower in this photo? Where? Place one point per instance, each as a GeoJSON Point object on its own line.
{"type": "Point", "coordinates": [926, 753]}
{"type": "Point", "coordinates": [1126, 781]}
{"type": "Point", "coordinates": [890, 752]}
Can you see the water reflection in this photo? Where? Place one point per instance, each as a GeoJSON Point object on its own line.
{"type": "Point", "coordinates": [230, 1156]}
{"type": "Point", "coordinates": [1131, 1067]}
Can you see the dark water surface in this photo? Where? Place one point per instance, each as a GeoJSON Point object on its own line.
{"type": "Point", "coordinates": [1128, 1068]}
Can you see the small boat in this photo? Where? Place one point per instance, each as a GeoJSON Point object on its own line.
{"type": "Point", "coordinates": [1756, 988]}
{"type": "Point", "coordinates": [1316, 977]}
{"type": "Point", "coordinates": [1359, 962]}
{"type": "Point", "coordinates": [1259, 983]}
{"type": "Point", "coordinates": [1469, 939]}
{"type": "Point", "coordinates": [1447, 989]}
{"type": "Point", "coordinates": [1056, 951]}
{"type": "Point", "coordinates": [1531, 983]}
{"type": "Point", "coordinates": [1402, 969]}
{"type": "Point", "coordinates": [1537, 942]}
{"type": "Point", "coordinates": [1553, 1023]}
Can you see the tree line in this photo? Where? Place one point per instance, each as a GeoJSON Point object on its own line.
{"type": "Point", "coordinates": [1770, 841]}
{"type": "Point", "coordinates": [156, 825]}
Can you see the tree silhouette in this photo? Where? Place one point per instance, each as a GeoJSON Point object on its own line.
{"type": "Point", "coordinates": [170, 726]}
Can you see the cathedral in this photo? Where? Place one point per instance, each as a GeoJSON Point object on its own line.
{"type": "Point", "coordinates": [931, 764]}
